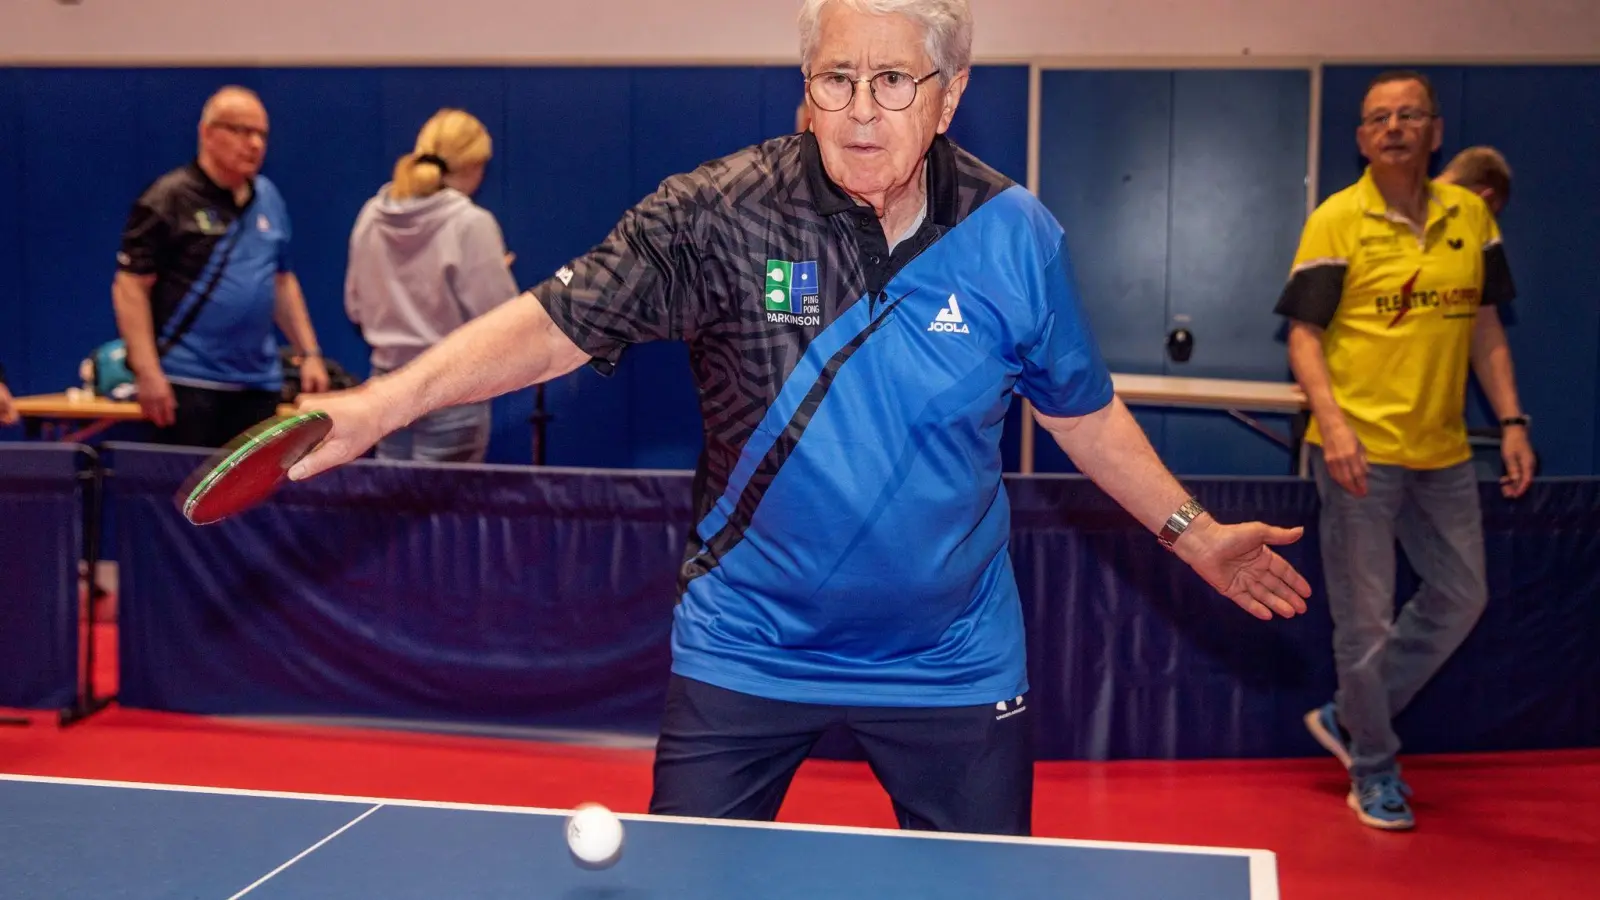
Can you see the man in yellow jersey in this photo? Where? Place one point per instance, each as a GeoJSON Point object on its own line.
{"type": "Point", "coordinates": [1393, 294]}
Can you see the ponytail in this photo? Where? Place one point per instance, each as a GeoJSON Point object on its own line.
{"type": "Point", "coordinates": [451, 139]}
{"type": "Point", "coordinates": [417, 175]}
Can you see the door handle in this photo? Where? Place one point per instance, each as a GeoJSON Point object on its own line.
{"type": "Point", "coordinates": [1180, 345]}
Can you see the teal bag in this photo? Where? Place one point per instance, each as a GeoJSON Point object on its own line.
{"type": "Point", "coordinates": [106, 372]}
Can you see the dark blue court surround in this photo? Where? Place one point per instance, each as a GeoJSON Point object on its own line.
{"type": "Point", "coordinates": [502, 596]}
{"type": "Point", "coordinates": [41, 541]}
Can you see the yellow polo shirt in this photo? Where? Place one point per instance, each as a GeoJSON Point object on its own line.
{"type": "Point", "coordinates": [1397, 314]}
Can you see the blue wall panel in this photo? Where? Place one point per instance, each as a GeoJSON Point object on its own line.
{"type": "Point", "coordinates": [1551, 233]}
{"type": "Point", "coordinates": [992, 120]}
{"type": "Point", "coordinates": [1105, 149]}
{"type": "Point", "coordinates": [1239, 148]}
{"type": "Point", "coordinates": [1182, 194]}
{"type": "Point", "coordinates": [1238, 203]}
{"type": "Point", "coordinates": [565, 194]}
{"type": "Point", "coordinates": [781, 93]}
{"type": "Point", "coordinates": [79, 181]}
{"type": "Point", "coordinates": [327, 158]}
{"type": "Point", "coordinates": [13, 323]}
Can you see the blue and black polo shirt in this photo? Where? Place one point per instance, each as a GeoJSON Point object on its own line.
{"type": "Point", "coordinates": [851, 537]}
{"type": "Point", "coordinates": [206, 248]}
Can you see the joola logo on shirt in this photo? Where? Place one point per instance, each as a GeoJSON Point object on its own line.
{"type": "Point", "coordinates": [790, 294]}
{"type": "Point", "coordinates": [949, 319]}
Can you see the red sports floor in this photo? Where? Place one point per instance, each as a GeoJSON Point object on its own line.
{"type": "Point", "coordinates": [1524, 826]}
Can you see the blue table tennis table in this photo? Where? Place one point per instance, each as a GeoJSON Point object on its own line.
{"type": "Point", "coordinates": [64, 837]}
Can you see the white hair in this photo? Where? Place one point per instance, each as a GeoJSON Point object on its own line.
{"type": "Point", "coordinates": [946, 27]}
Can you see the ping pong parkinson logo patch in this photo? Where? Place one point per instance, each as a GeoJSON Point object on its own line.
{"type": "Point", "coordinates": [791, 293]}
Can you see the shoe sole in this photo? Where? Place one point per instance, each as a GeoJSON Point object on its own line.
{"type": "Point", "coordinates": [1328, 741]}
{"type": "Point", "coordinates": [1351, 801]}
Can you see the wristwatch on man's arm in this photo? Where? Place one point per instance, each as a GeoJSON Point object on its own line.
{"type": "Point", "coordinates": [1179, 522]}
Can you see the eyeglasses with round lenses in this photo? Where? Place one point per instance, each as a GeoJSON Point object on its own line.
{"type": "Point", "coordinates": [892, 90]}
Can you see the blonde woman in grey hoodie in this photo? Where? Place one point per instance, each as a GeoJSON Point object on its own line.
{"type": "Point", "coordinates": [424, 260]}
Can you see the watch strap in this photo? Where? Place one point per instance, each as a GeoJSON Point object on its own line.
{"type": "Point", "coordinates": [1179, 522]}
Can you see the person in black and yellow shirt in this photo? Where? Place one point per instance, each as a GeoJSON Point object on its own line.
{"type": "Point", "coordinates": [1393, 295]}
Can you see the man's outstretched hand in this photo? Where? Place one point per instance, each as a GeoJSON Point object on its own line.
{"type": "Point", "coordinates": [1238, 560]}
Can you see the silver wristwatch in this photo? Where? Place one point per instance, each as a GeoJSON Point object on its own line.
{"type": "Point", "coordinates": [1180, 522]}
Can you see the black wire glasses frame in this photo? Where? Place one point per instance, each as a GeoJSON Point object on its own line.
{"type": "Point", "coordinates": [892, 90]}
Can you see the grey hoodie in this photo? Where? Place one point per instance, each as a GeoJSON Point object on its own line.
{"type": "Point", "coordinates": [421, 268]}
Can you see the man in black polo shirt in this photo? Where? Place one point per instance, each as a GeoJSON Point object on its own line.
{"type": "Point", "coordinates": [861, 301]}
{"type": "Point", "coordinates": [203, 274]}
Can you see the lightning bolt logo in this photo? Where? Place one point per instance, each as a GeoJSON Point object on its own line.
{"type": "Point", "coordinates": [1405, 298]}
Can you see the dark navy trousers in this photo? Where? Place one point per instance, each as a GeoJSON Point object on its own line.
{"type": "Point", "coordinates": [728, 755]}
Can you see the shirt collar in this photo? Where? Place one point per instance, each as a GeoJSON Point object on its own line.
{"type": "Point", "coordinates": [829, 199]}
{"type": "Point", "coordinates": [1371, 201]}
{"type": "Point", "coordinates": [219, 192]}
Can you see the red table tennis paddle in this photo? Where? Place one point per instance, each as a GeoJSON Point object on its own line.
{"type": "Point", "coordinates": [251, 467]}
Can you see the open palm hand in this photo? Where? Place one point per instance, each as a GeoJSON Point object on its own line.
{"type": "Point", "coordinates": [1239, 562]}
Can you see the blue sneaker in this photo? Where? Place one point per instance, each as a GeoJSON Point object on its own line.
{"type": "Point", "coordinates": [1380, 801]}
{"type": "Point", "coordinates": [1324, 725]}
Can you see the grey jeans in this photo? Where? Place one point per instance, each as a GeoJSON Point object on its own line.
{"type": "Point", "coordinates": [453, 434]}
{"type": "Point", "coordinates": [1382, 660]}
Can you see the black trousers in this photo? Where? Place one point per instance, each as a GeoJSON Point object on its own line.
{"type": "Point", "coordinates": [207, 418]}
{"type": "Point", "coordinates": [728, 755]}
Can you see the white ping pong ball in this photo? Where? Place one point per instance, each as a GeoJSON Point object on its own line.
{"type": "Point", "coordinates": [594, 835]}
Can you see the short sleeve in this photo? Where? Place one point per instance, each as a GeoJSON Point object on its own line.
{"type": "Point", "coordinates": [1316, 279]}
{"type": "Point", "coordinates": [1063, 373]}
{"type": "Point", "coordinates": [636, 286]}
{"type": "Point", "coordinates": [1498, 287]}
{"type": "Point", "coordinates": [144, 238]}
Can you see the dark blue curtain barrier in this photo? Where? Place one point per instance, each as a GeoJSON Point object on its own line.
{"type": "Point", "coordinates": [1133, 656]}
{"type": "Point", "coordinates": [496, 595]}
{"type": "Point", "coordinates": [503, 596]}
{"type": "Point", "coordinates": [41, 541]}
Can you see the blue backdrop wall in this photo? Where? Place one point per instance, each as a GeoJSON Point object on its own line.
{"type": "Point", "coordinates": [574, 148]}
{"type": "Point", "coordinates": [1182, 192]}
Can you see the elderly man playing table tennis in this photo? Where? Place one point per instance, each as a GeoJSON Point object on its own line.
{"type": "Point", "coordinates": [861, 301]}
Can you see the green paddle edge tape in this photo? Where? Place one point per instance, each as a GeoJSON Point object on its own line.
{"type": "Point", "coordinates": [258, 436]}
